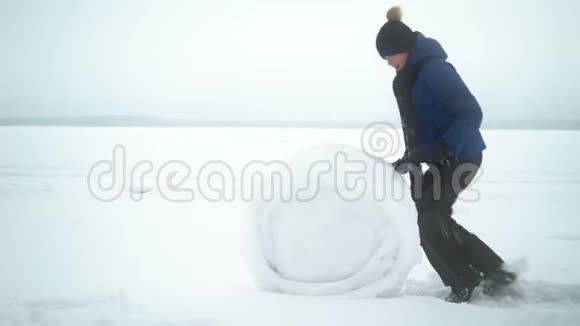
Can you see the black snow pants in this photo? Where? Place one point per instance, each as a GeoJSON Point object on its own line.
{"type": "Point", "coordinates": [459, 257]}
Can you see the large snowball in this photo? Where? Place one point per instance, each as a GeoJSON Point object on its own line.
{"type": "Point", "coordinates": [343, 239]}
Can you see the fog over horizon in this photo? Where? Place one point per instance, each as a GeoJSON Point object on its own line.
{"type": "Point", "coordinates": [275, 63]}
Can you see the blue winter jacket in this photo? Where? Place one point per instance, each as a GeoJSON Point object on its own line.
{"type": "Point", "coordinates": [446, 110]}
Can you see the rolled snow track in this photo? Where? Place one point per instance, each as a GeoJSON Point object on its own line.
{"type": "Point", "coordinates": [348, 236]}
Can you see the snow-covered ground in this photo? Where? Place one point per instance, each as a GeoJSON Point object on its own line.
{"type": "Point", "coordinates": [67, 258]}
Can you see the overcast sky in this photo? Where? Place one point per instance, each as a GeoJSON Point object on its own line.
{"type": "Point", "coordinates": [273, 60]}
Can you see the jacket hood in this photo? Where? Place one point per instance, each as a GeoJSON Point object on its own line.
{"type": "Point", "coordinates": [426, 48]}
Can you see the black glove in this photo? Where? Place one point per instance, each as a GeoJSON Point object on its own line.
{"type": "Point", "coordinates": [432, 153]}
{"type": "Point", "coordinates": [403, 165]}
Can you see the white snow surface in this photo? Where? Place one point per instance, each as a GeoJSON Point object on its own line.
{"type": "Point", "coordinates": [69, 259]}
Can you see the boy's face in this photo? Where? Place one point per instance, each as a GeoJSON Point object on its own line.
{"type": "Point", "coordinates": [397, 61]}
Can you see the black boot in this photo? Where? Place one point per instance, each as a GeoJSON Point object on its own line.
{"type": "Point", "coordinates": [460, 294]}
{"type": "Point", "coordinates": [497, 280]}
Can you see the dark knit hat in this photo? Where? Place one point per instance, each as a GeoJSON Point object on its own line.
{"type": "Point", "coordinates": [395, 37]}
